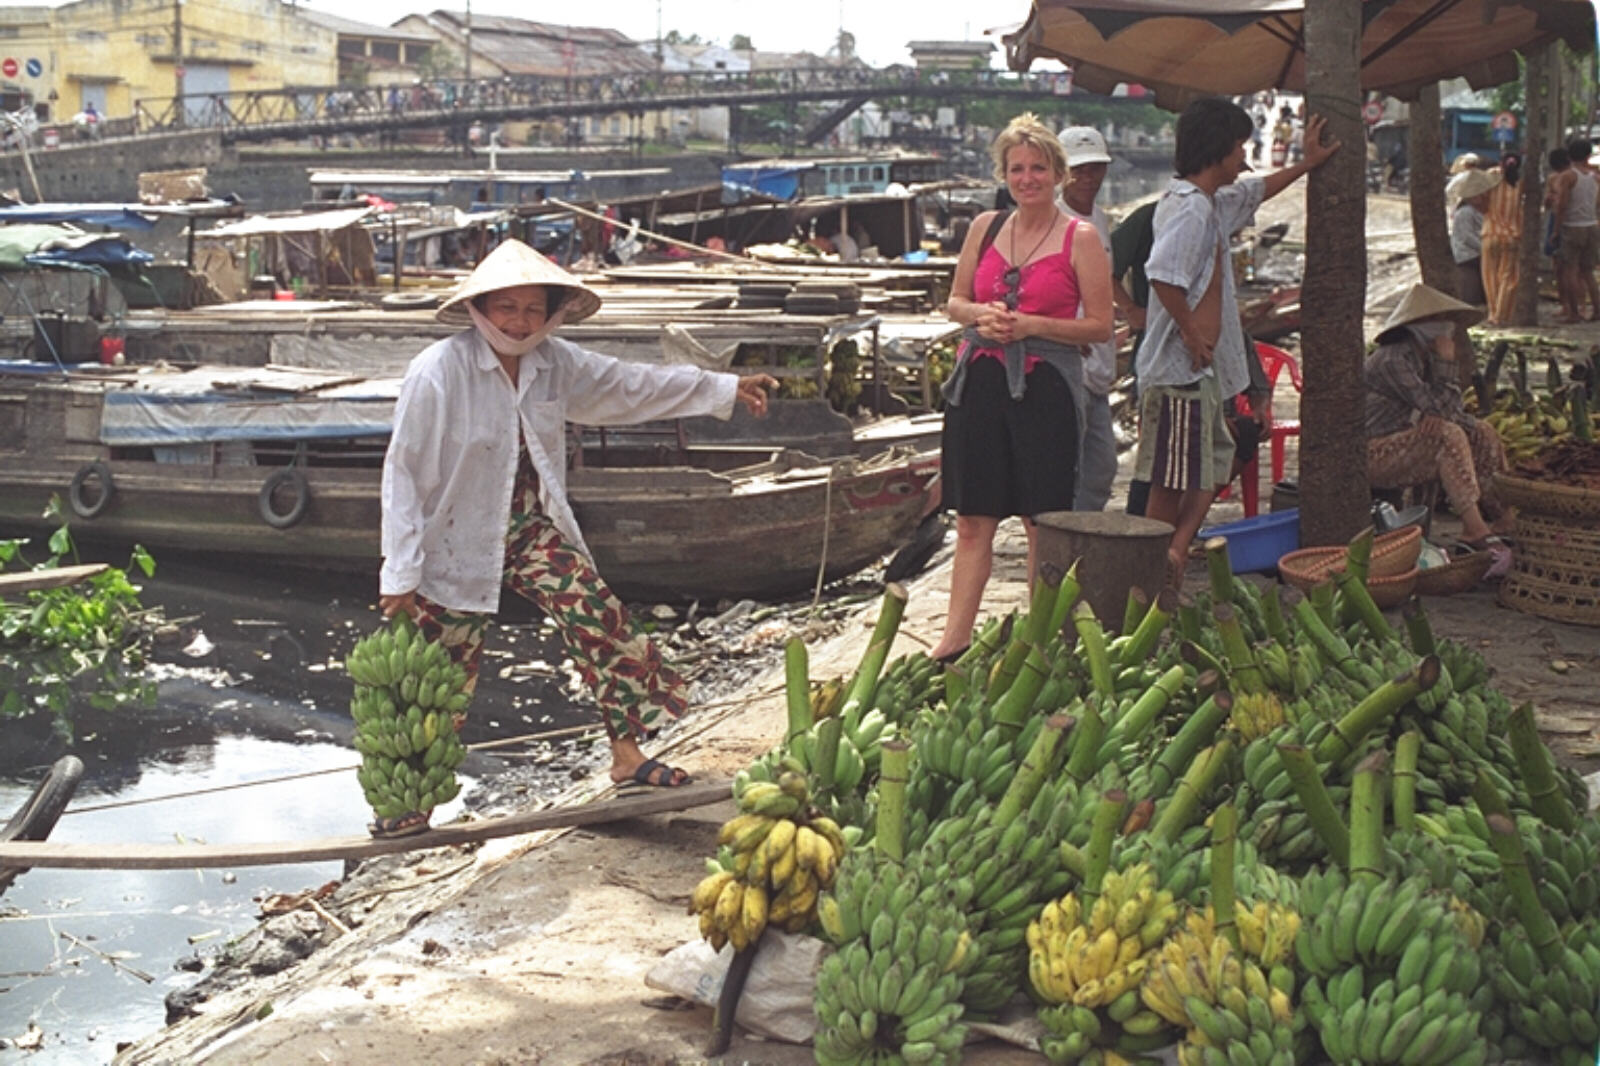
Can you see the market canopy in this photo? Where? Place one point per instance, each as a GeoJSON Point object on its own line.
{"type": "Point", "coordinates": [270, 225]}
{"type": "Point", "coordinates": [1180, 49]}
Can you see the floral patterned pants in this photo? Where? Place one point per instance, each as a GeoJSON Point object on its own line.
{"type": "Point", "coordinates": [621, 666]}
{"type": "Point", "coordinates": [1461, 459]}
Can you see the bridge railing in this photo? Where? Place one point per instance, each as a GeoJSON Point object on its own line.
{"type": "Point", "coordinates": [628, 92]}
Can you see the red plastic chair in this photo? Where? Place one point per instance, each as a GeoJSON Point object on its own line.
{"type": "Point", "coordinates": [1273, 360]}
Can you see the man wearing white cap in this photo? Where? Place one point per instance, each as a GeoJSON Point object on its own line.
{"type": "Point", "coordinates": [474, 489]}
{"type": "Point", "coordinates": [1087, 160]}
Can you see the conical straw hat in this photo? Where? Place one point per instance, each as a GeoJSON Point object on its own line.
{"type": "Point", "coordinates": [514, 263]}
{"type": "Point", "coordinates": [1422, 304]}
{"type": "Point", "coordinates": [1469, 183]}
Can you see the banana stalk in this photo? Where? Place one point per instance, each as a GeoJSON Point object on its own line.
{"type": "Point", "coordinates": [1093, 639]}
{"type": "Point", "coordinates": [1151, 625]}
{"type": "Point", "coordinates": [1198, 730]}
{"type": "Point", "coordinates": [1086, 738]}
{"type": "Point", "coordinates": [1219, 570]}
{"type": "Point", "coordinates": [1149, 705]}
{"type": "Point", "coordinates": [1107, 816]}
{"type": "Point", "coordinates": [893, 769]}
{"type": "Point", "coordinates": [1417, 627]}
{"type": "Point", "coordinates": [1243, 671]}
{"type": "Point", "coordinates": [1330, 644]}
{"type": "Point", "coordinates": [1066, 597]}
{"type": "Point", "coordinates": [1181, 808]}
{"type": "Point", "coordinates": [865, 682]}
{"type": "Point", "coordinates": [1012, 708]}
{"type": "Point", "coordinates": [1036, 768]}
{"type": "Point", "coordinates": [1133, 611]}
{"type": "Point", "coordinates": [1379, 706]}
{"type": "Point", "coordinates": [1272, 615]}
{"type": "Point", "coordinates": [1188, 617]}
{"type": "Point", "coordinates": [1321, 597]}
{"type": "Point", "coordinates": [1545, 796]}
{"type": "Point", "coordinates": [1366, 818]}
{"type": "Point", "coordinates": [1196, 655]}
{"type": "Point", "coordinates": [1582, 428]}
{"type": "Point", "coordinates": [1358, 602]}
{"type": "Point", "coordinates": [1358, 554]}
{"type": "Point", "coordinates": [827, 752]}
{"type": "Point", "coordinates": [1031, 635]}
{"type": "Point", "coordinates": [1406, 751]}
{"type": "Point", "coordinates": [1324, 817]}
{"type": "Point", "coordinates": [1488, 797]}
{"type": "Point", "coordinates": [1224, 834]}
{"type": "Point", "coordinates": [797, 687]}
{"type": "Point", "coordinates": [1542, 931]}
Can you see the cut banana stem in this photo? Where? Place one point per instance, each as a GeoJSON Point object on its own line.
{"type": "Point", "coordinates": [1133, 723]}
{"type": "Point", "coordinates": [1243, 672]}
{"type": "Point", "coordinates": [1189, 618]}
{"type": "Point", "coordinates": [1092, 645]}
{"type": "Point", "coordinates": [1196, 655]}
{"type": "Point", "coordinates": [1219, 571]}
{"type": "Point", "coordinates": [1321, 597]}
{"type": "Point", "coordinates": [1366, 818]}
{"type": "Point", "coordinates": [1036, 768]}
{"type": "Point", "coordinates": [1353, 589]}
{"type": "Point", "coordinates": [1328, 643]}
{"type": "Point", "coordinates": [893, 770]}
{"type": "Point", "coordinates": [1151, 625]}
{"type": "Point", "coordinates": [1272, 615]}
{"type": "Point", "coordinates": [1066, 599]}
{"type": "Point", "coordinates": [1358, 554]}
{"type": "Point", "coordinates": [1107, 817]}
{"type": "Point", "coordinates": [1417, 627]}
{"type": "Point", "coordinates": [1012, 708]}
{"type": "Point", "coordinates": [1224, 827]}
{"type": "Point", "coordinates": [797, 686]}
{"type": "Point", "coordinates": [1406, 751]}
{"type": "Point", "coordinates": [1545, 794]}
{"type": "Point", "coordinates": [827, 752]}
{"type": "Point", "coordinates": [1181, 808]}
{"type": "Point", "coordinates": [1134, 610]}
{"type": "Point", "coordinates": [865, 682]}
{"type": "Point", "coordinates": [1320, 811]}
{"type": "Point", "coordinates": [1086, 739]}
{"type": "Point", "coordinates": [1542, 931]}
{"type": "Point", "coordinates": [1197, 731]}
{"type": "Point", "coordinates": [1488, 797]}
{"type": "Point", "coordinates": [1379, 706]}
{"type": "Point", "coordinates": [1024, 639]}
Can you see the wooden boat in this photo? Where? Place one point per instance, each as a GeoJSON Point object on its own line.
{"type": "Point", "coordinates": [291, 478]}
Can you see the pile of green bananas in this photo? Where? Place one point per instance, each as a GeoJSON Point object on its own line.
{"type": "Point", "coordinates": [1235, 1004]}
{"type": "Point", "coordinates": [1088, 967]}
{"type": "Point", "coordinates": [776, 855]}
{"type": "Point", "coordinates": [1395, 971]}
{"type": "Point", "coordinates": [1552, 1008]}
{"type": "Point", "coordinates": [407, 694]}
{"type": "Point", "coordinates": [892, 992]}
{"type": "Point", "coordinates": [1255, 714]}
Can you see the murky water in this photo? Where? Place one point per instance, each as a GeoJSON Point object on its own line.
{"type": "Point", "coordinates": [251, 691]}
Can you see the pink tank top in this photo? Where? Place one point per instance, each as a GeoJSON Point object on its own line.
{"type": "Point", "coordinates": [1048, 286]}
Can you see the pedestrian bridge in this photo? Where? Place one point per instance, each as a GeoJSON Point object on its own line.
{"type": "Point", "coordinates": [303, 112]}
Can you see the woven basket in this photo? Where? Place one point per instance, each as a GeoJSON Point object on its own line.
{"type": "Point", "coordinates": [1555, 570]}
{"type": "Point", "coordinates": [1390, 592]}
{"type": "Point", "coordinates": [1458, 575]}
{"type": "Point", "coordinates": [1393, 553]}
{"type": "Point", "coordinates": [1546, 497]}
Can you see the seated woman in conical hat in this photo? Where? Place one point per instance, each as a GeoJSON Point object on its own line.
{"type": "Point", "coordinates": [1417, 429]}
{"type": "Point", "coordinates": [474, 489]}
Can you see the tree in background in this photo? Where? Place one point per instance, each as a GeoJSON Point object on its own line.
{"type": "Point", "coordinates": [741, 43]}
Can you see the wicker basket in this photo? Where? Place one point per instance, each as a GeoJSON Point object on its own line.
{"type": "Point", "coordinates": [1392, 591]}
{"type": "Point", "coordinates": [1555, 569]}
{"type": "Point", "coordinates": [1393, 554]}
{"type": "Point", "coordinates": [1546, 497]}
{"type": "Point", "coordinates": [1458, 575]}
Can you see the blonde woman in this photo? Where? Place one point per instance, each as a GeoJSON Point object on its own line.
{"type": "Point", "coordinates": [1014, 406]}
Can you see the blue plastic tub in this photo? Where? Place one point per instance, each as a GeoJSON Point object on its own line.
{"type": "Point", "coordinates": [1256, 544]}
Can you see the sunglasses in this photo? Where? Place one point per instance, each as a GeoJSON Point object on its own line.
{"type": "Point", "coordinates": [1013, 282]}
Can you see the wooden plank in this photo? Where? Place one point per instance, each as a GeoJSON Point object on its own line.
{"type": "Point", "coordinates": [211, 856]}
{"type": "Point", "coordinates": [35, 580]}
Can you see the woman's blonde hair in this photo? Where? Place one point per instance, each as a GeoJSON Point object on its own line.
{"type": "Point", "coordinates": [1026, 129]}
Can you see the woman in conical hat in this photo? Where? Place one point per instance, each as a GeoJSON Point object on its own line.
{"type": "Point", "coordinates": [1417, 429]}
{"type": "Point", "coordinates": [474, 488]}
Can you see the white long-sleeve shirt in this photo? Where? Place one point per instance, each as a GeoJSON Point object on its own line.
{"type": "Point", "coordinates": [452, 459]}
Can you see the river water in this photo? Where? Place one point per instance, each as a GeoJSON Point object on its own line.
{"type": "Point", "coordinates": [250, 690]}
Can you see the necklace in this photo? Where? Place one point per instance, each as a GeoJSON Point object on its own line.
{"type": "Point", "coordinates": [1018, 264]}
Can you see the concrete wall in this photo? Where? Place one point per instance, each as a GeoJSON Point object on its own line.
{"type": "Point", "coordinates": [108, 170]}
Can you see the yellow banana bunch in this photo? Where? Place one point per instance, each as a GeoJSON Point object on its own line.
{"type": "Point", "coordinates": [774, 862]}
{"type": "Point", "coordinates": [1092, 960]}
{"type": "Point", "coordinates": [1255, 714]}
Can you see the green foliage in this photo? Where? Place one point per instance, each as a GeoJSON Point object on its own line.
{"type": "Point", "coordinates": [88, 639]}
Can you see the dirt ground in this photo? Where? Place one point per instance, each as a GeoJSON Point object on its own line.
{"type": "Point", "coordinates": [535, 950]}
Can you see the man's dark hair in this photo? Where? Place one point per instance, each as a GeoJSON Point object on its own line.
{"type": "Point", "coordinates": [1208, 131]}
{"type": "Point", "coordinates": [1578, 149]}
{"type": "Point", "coordinates": [1559, 159]}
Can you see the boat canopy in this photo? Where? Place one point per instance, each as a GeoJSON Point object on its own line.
{"type": "Point", "coordinates": [272, 225]}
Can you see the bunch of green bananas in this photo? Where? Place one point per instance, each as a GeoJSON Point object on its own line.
{"type": "Point", "coordinates": [1551, 1007]}
{"type": "Point", "coordinates": [892, 992]}
{"type": "Point", "coordinates": [1235, 1004]}
{"type": "Point", "coordinates": [407, 693]}
{"type": "Point", "coordinates": [1395, 972]}
{"type": "Point", "coordinates": [777, 854]}
{"type": "Point", "coordinates": [1080, 963]}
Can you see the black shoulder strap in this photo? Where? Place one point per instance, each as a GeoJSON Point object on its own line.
{"type": "Point", "coordinates": [994, 230]}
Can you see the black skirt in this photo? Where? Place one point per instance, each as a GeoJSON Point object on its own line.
{"type": "Point", "coordinates": [1003, 457]}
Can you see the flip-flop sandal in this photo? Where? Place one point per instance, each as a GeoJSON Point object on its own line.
{"type": "Point", "coordinates": [653, 773]}
{"type": "Point", "coordinates": [409, 824]}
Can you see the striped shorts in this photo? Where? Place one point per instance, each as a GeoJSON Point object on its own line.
{"type": "Point", "coordinates": [1184, 440]}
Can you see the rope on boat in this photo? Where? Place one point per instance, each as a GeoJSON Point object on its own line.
{"type": "Point", "coordinates": [827, 526]}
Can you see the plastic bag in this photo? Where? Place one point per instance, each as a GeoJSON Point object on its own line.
{"type": "Point", "coordinates": [777, 999]}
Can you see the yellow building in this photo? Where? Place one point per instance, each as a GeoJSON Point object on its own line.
{"type": "Point", "coordinates": [112, 53]}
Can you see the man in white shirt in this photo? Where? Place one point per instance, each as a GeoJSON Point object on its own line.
{"type": "Point", "coordinates": [1087, 160]}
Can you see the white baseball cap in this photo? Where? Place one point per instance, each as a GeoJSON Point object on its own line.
{"type": "Point", "coordinates": [1084, 145]}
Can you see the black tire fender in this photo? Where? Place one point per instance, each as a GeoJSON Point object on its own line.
{"type": "Point", "coordinates": [294, 481]}
{"type": "Point", "coordinates": [81, 504]}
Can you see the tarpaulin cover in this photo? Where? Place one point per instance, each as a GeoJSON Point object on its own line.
{"type": "Point", "coordinates": [244, 403]}
{"type": "Point", "coordinates": [88, 250]}
{"type": "Point", "coordinates": [19, 241]}
{"type": "Point", "coordinates": [262, 225]}
{"type": "Point", "coordinates": [120, 215]}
